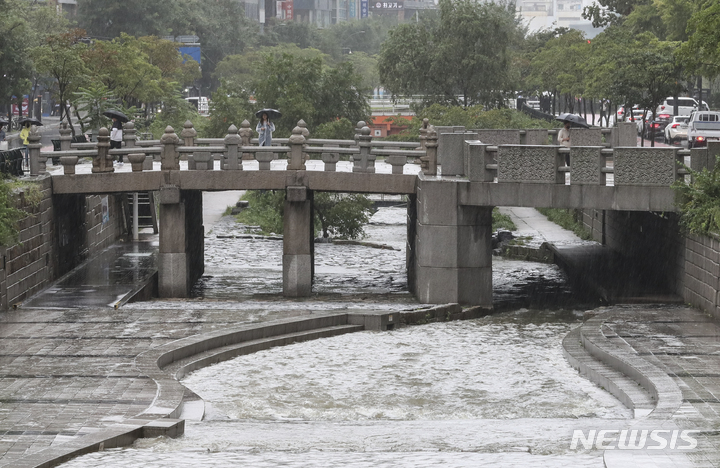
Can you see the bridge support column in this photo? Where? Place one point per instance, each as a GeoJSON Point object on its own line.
{"type": "Point", "coordinates": [298, 236]}
{"type": "Point", "coordinates": [182, 245]}
{"type": "Point", "coordinates": [453, 246]}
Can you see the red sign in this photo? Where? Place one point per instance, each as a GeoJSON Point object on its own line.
{"type": "Point", "coordinates": [287, 9]}
{"type": "Point", "coordinates": [24, 107]}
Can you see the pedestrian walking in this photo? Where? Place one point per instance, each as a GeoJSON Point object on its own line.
{"type": "Point", "coordinates": [116, 137]}
{"type": "Point", "coordinates": [265, 128]}
{"type": "Point", "coordinates": [24, 134]}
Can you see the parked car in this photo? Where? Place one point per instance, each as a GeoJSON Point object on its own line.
{"type": "Point", "coordinates": [676, 129]}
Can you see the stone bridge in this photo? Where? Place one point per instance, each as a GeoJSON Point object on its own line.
{"type": "Point", "coordinates": [462, 175]}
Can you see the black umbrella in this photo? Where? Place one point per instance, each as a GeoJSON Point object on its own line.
{"type": "Point", "coordinates": [29, 120]}
{"type": "Point", "coordinates": [271, 113]}
{"type": "Point", "coordinates": [117, 114]}
{"type": "Point", "coordinates": [574, 119]}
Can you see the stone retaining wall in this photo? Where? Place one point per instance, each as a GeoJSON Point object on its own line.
{"type": "Point", "coordinates": [36, 260]}
{"type": "Point", "coordinates": [701, 286]}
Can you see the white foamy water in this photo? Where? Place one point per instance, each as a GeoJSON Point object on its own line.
{"type": "Point", "coordinates": [487, 392]}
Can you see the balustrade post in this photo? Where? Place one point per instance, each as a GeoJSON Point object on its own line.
{"type": "Point", "coordinates": [423, 133]}
{"type": "Point", "coordinates": [129, 135]}
{"type": "Point", "coordinates": [364, 162]}
{"type": "Point", "coordinates": [37, 160]}
{"type": "Point", "coordinates": [296, 143]}
{"type": "Point", "coordinates": [246, 134]}
{"type": "Point", "coordinates": [169, 157]}
{"type": "Point", "coordinates": [428, 163]}
{"type": "Point", "coordinates": [305, 133]}
{"type": "Point", "coordinates": [188, 135]}
{"type": "Point", "coordinates": [232, 142]}
{"type": "Point", "coordinates": [103, 162]}
{"type": "Point", "coordinates": [65, 137]}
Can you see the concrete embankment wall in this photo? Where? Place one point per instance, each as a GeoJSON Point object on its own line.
{"type": "Point", "coordinates": [688, 265]}
{"type": "Point", "coordinates": [57, 235]}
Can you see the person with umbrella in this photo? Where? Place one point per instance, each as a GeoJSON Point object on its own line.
{"type": "Point", "coordinates": [564, 134]}
{"type": "Point", "coordinates": [265, 127]}
{"type": "Point", "coordinates": [116, 136]}
{"type": "Point", "coordinates": [24, 134]}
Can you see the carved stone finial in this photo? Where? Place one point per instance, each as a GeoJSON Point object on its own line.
{"type": "Point", "coordinates": [232, 137]}
{"type": "Point", "coordinates": [169, 136]}
{"type": "Point", "coordinates": [129, 126]}
{"type": "Point", "coordinates": [297, 136]}
{"type": "Point", "coordinates": [188, 130]}
{"type": "Point", "coordinates": [105, 132]}
{"type": "Point", "coordinates": [301, 123]}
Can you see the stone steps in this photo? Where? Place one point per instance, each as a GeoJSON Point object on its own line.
{"type": "Point", "coordinates": [183, 367]}
{"type": "Point", "coordinates": [629, 392]}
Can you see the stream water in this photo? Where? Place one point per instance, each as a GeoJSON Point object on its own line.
{"type": "Point", "coordinates": [488, 392]}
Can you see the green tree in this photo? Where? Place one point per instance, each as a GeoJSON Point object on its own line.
{"type": "Point", "coordinates": [464, 56]}
{"type": "Point", "coordinates": [61, 57]}
{"type": "Point", "coordinates": [336, 214]}
{"type": "Point", "coordinates": [699, 201]}
{"type": "Point", "coordinates": [229, 106]}
{"type": "Point", "coordinates": [342, 215]}
{"type": "Point", "coordinates": [305, 89]}
{"type": "Point", "coordinates": [91, 103]}
{"type": "Point", "coordinates": [558, 67]}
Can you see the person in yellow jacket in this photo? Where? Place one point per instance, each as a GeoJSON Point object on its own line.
{"type": "Point", "coordinates": [24, 134]}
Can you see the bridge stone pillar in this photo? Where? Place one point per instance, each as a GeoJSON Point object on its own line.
{"type": "Point", "coordinates": [298, 236]}
{"type": "Point", "coordinates": [181, 259]}
{"type": "Point", "coordinates": [453, 250]}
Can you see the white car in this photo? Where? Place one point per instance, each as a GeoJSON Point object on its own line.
{"type": "Point", "coordinates": [685, 106]}
{"type": "Point", "coordinates": [676, 129]}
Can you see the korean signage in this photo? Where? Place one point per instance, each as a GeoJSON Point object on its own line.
{"type": "Point", "coordinates": [363, 8]}
{"type": "Point", "coordinates": [351, 9]}
{"type": "Point", "coordinates": [285, 10]}
{"type": "Point", "coordinates": [386, 5]}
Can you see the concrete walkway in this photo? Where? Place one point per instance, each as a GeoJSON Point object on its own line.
{"type": "Point", "coordinates": [532, 224]}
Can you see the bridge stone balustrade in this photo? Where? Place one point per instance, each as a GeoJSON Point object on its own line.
{"type": "Point", "coordinates": [37, 159]}
{"type": "Point", "coordinates": [645, 166]}
{"type": "Point", "coordinates": [586, 136]}
{"type": "Point", "coordinates": [449, 229]}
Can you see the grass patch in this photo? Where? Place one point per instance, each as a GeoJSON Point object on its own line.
{"type": "Point", "coordinates": [502, 221]}
{"type": "Point", "coordinates": [567, 220]}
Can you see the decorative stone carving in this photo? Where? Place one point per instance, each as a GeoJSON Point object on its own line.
{"type": "Point", "coordinates": [246, 134]}
{"type": "Point", "coordinates": [137, 160]}
{"type": "Point", "coordinates": [103, 162]}
{"type": "Point", "coordinates": [169, 157]}
{"type": "Point", "coordinates": [585, 165]}
{"type": "Point", "coordinates": [532, 164]}
{"type": "Point", "coordinates": [586, 137]}
{"type": "Point", "coordinates": [644, 166]}
{"type": "Point", "coordinates": [68, 163]}
{"type": "Point", "coordinates": [232, 142]}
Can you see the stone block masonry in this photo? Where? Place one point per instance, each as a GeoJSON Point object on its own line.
{"type": "Point", "coordinates": [39, 258]}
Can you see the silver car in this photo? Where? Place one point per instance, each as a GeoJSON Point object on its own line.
{"type": "Point", "coordinates": [677, 129]}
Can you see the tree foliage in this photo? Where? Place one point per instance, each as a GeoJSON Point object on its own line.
{"type": "Point", "coordinates": [699, 200]}
{"type": "Point", "coordinates": [342, 215]}
{"type": "Point", "coordinates": [336, 214]}
{"type": "Point", "coordinates": [461, 57]}
{"type": "Point", "coordinates": [305, 89]}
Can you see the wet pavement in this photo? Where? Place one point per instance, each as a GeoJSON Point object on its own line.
{"type": "Point", "coordinates": [106, 280]}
